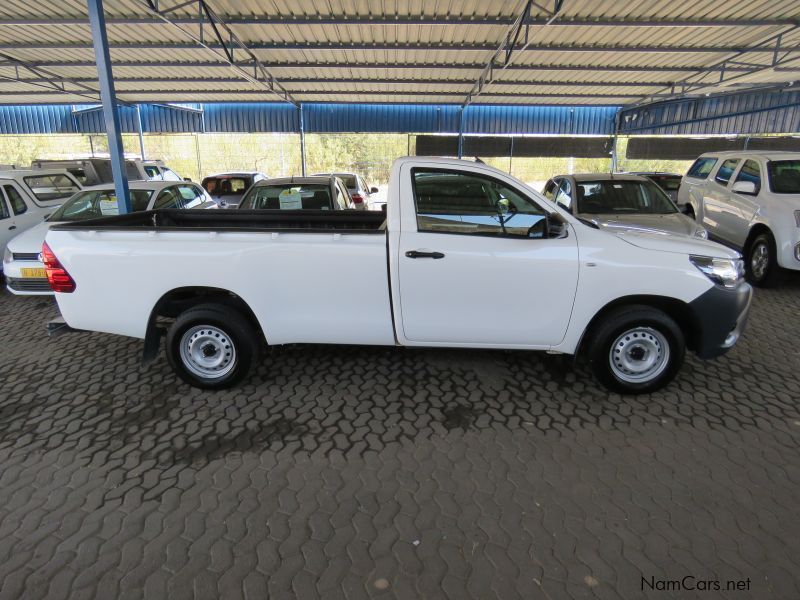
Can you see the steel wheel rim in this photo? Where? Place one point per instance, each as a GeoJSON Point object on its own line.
{"type": "Point", "coordinates": [207, 351]}
{"type": "Point", "coordinates": [759, 260]}
{"type": "Point", "coordinates": [639, 355]}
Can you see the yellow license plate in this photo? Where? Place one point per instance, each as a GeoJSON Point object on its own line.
{"type": "Point", "coordinates": [34, 273]}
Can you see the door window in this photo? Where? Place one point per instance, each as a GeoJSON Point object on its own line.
{"type": "Point", "coordinates": [191, 195]}
{"type": "Point", "coordinates": [750, 171]}
{"type": "Point", "coordinates": [726, 170]}
{"type": "Point", "coordinates": [341, 197]}
{"type": "Point", "coordinates": [15, 199]}
{"type": "Point", "coordinates": [169, 198]}
{"type": "Point", "coordinates": [564, 195]}
{"type": "Point", "coordinates": [152, 172]}
{"type": "Point", "coordinates": [4, 213]}
{"type": "Point", "coordinates": [702, 167]}
{"type": "Point", "coordinates": [469, 204]}
{"type": "Point", "coordinates": [170, 175]}
{"type": "Point", "coordinates": [550, 189]}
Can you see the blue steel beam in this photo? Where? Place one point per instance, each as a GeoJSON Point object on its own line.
{"type": "Point", "coordinates": [109, 98]}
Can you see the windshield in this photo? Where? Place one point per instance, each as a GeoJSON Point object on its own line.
{"type": "Point", "coordinates": [784, 176]}
{"type": "Point", "coordinates": [623, 197]}
{"type": "Point", "coordinates": [98, 203]}
{"type": "Point", "coordinates": [288, 196]}
{"type": "Point", "coordinates": [223, 186]}
{"type": "Point", "coordinates": [51, 187]}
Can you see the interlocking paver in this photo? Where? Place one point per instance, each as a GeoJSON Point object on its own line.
{"type": "Point", "coordinates": [393, 473]}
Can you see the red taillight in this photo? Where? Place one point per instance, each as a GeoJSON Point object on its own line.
{"type": "Point", "coordinates": [57, 276]}
{"type": "Point", "coordinates": [357, 198]}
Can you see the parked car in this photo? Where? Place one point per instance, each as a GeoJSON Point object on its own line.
{"type": "Point", "coordinates": [751, 201]}
{"type": "Point", "coordinates": [466, 256]}
{"type": "Point", "coordinates": [294, 193]}
{"type": "Point", "coordinates": [96, 171]}
{"type": "Point", "coordinates": [620, 201]}
{"type": "Point", "coordinates": [227, 189]}
{"type": "Point", "coordinates": [28, 197]}
{"type": "Point", "coordinates": [360, 192]}
{"type": "Point", "coordinates": [22, 263]}
{"type": "Point", "coordinates": [669, 182]}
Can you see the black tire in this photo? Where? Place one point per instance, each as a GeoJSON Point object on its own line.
{"type": "Point", "coordinates": [758, 272]}
{"type": "Point", "coordinates": [657, 330]}
{"type": "Point", "coordinates": [227, 328]}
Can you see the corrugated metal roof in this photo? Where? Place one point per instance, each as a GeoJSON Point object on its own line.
{"type": "Point", "coordinates": [755, 112]}
{"type": "Point", "coordinates": [358, 49]}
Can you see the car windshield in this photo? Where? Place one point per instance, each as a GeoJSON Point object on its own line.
{"type": "Point", "coordinates": [623, 197]}
{"type": "Point", "coordinates": [51, 187]}
{"type": "Point", "coordinates": [98, 203]}
{"type": "Point", "coordinates": [288, 196]}
{"type": "Point", "coordinates": [784, 176]}
{"type": "Point", "coordinates": [223, 186]}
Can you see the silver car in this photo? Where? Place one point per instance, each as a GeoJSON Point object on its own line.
{"type": "Point", "coordinates": [621, 202]}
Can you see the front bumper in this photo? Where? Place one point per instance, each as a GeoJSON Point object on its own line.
{"type": "Point", "coordinates": [25, 286]}
{"type": "Point", "coordinates": [720, 317]}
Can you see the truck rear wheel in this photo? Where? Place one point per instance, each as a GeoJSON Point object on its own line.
{"type": "Point", "coordinates": [212, 346]}
{"type": "Point", "coordinates": [636, 349]}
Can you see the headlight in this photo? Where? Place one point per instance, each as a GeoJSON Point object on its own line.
{"type": "Point", "coordinates": [7, 255]}
{"type": "Point", "coordinates": [701, 233]}
{"type": "Point", "coordinates": [727, 272]}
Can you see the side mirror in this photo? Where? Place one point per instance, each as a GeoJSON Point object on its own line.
{"type": "Point", "coordinates": [373, 190]}
{"type": "Point", "coordinates": [383, 208]}
{"type": "Point", "coordinates": [556, 226]}
{"type": "Point", "coordinates": [744, 187]}
{"type": "Point", "coordinates": [187, 178]}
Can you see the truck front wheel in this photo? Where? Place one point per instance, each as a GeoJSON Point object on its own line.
{"type": "Point", "coordinates": [636, 349]}
{"type": "Point", "coordinates": [212, 346]}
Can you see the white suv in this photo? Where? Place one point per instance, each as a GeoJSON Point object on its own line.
{"type": "Point", "coordinates": [749, 200]}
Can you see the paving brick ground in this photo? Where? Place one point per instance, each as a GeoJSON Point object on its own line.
{"type": "Point", "coordinates": [354, 473]}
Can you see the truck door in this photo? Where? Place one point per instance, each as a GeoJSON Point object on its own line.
{"type": "Point", "coordinates": [8, 228]}
{"type": "Point", "coordinates": [477, 265]}
{"type": "Point", "coordinates": [717, 208]}
{"type": "Point", "coordinates": [743, 207]}
{"type": "Point", "coordinates": [25, 214]}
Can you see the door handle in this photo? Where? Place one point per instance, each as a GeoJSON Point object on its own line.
{"type": "Point", "coordinates": [419, 254]}
{"type": "Point", "coordinates": [12, 227]}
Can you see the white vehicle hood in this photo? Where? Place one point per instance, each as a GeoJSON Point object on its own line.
{"type": "Point", "coordinates": [678, 244]}
{"type": "Point", "coordinates": [671, 223]}
{"type": "Point", "coordinates": [30, 240]}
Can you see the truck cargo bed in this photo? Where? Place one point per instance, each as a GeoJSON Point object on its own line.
{"type": "Point", "coordinates": [311, 221]}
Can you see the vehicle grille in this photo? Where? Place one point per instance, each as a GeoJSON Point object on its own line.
{"type": "Point", "coordinates": [25, 255]}
{"type": "Point", "coordinates": [28, 284]}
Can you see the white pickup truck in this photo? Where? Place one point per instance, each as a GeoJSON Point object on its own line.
{"type": "Point", "coordinates": [465, 256]}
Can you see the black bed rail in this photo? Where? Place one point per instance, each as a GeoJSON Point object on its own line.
{"type": "Point", "coordinates": [235, 220]}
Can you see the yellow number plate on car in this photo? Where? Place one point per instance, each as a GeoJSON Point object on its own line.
{"type": "Point", "coordinates": [34, 273]}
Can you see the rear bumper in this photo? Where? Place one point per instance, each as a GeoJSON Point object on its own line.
{"type": "Point", "coordinates": [720, 317]}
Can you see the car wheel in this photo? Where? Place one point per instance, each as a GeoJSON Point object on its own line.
{"type": "Point", "coordinates": [636, 349]}
{"type": "Point", "coordinates": [761, 266]}
{"type": "Point", "coordinates": [212, 346]}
